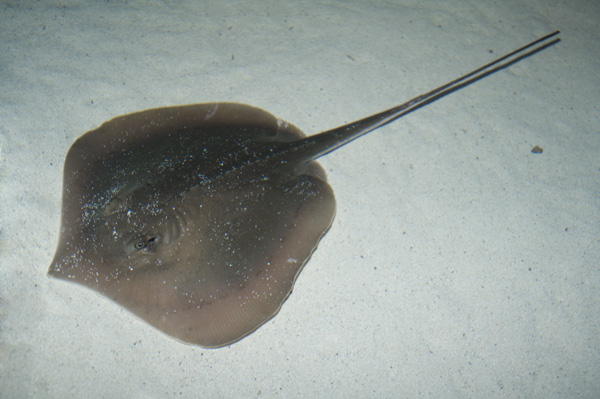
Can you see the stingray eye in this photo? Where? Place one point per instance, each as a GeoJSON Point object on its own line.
{"type": "Point", "coordinates": [142, 245]}
{"type": "Point", "coordinates": [150, 245]}
{"type": "Point", "coordinates": [145, 245]}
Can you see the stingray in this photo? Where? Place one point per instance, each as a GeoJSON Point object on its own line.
{"type": "Point", "coordinates": [199, 218]}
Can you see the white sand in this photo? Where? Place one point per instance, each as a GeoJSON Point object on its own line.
{"type": "Point", "coordinates": [459, 264]}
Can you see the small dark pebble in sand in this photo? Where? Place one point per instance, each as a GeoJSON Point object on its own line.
{"type": "Point", "coordinates": [537, 149]}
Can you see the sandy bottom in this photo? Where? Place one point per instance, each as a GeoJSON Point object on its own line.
{"type": "Point", "coordinates": [460, 264]}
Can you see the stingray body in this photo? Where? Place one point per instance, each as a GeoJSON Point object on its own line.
{"type": "Point", "coordinates": [199, 218]}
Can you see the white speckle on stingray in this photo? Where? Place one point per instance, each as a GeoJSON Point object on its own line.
{"type": "Point", "coordinates": [211, 112]}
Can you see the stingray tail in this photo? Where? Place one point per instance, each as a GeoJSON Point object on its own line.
{"type": "Point", "coordinates": [316, 146]}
